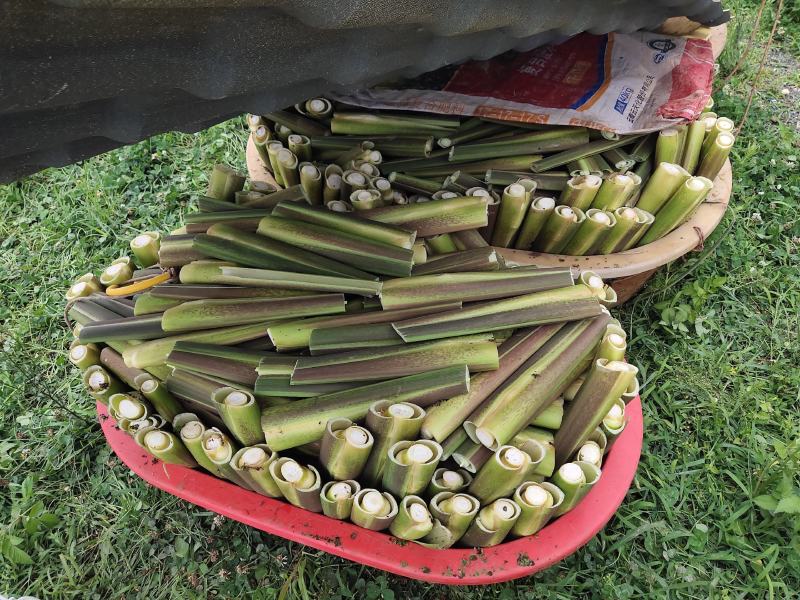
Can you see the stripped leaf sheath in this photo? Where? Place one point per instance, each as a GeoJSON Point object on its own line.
{"type": "Point", "coordinates": [132, 328]}
{"type": "Point", "coordinates": [455, 511]}
{"type": "Point", "coordinates": [147, 304]}
{"type": "Point", "coordinates": [410, 466]}
{"type": "Point", "coordinates": [532, 440]}
{"type": "Point", "coordinates": [112, 361]}
{"type": "Point", "coordinates": [271, 387]}
{"type": "Point", "coordinates": [721, 125]}
{"type": "Point", "coordinates": [471, 456]}
{"type": "Point", "coordinates": [345, 448]}
{"type": "Point", "coordinates": [561, 304]}
{"type": "Point", "coordinates": [593, 148]}
{"type": "Point", "coordinates": [436, 216]}
{"type": "Point", "coordinates": [336, 498]}
{"type": "Point", "coordinates": [478, 352]}
{"type": "Point", "coordinates": [441, 244]}
{"type": "Point", "coordinates": [373, 510]}
{"type": "Point", "coordinates": [219, 450]}
{"type": "Point", "coordinates": [604, 386]}
{"type": "Point", "coordinates": [469, 239]}
{"type": "Point", "coordinates": [559, 228]}
{"type": "Point", "coordinates": [451, 443]}
{"type": "Point", "coordinates": [538, 504]}
{"type": "Point", "coordinates": [555, 139]}
{"type": "Point", "coordinates": [632, 392]}
{"type": "Point", "coordinates": [501, 474]}
{"type": "Point", "coordinates": [575, 480]}
{"type": "Point", "coordinates": [590, 233]}
{"type": "Point", "coordinates": [514, 205]}
{"type": "Point", "coordinates": [165, 446]}
{"type": "Point", "coordinates": [678, 208]}
{"type": "Point", "coordinates": [448, 480]}
{"type": "Point", "coordinates": [352, 337]}
{"type": "Point", "coordinates": [276, 364]}
{"type": "Point", "coordinates": [538, 213]}
{"type": "Point", "coordinates": [614, 423]}
{"type": "Point", "coordinates": [625, 225]}
{"type": "Point", "coordinates": [252, 464]}
{"type": "Point", "coordinates": [551, 417]}
{"type": "Point", "coordinates": [445, 418]}
{"type": "Point", "coordinates": [423, 290]}
{"type": "Point", "coordinates": [475, 260]}
{"type": "Point", "coordinates": [695, 136]}
{"type": "Point", "coordinates": [413, 520]}
{"type": "Point", "coordinates": [156, 392]}
{"type": "Point", "coordinates": [211, 314]}
{"type": "Point", "coordinates": [369, 230]}
{"type": "Point", "coordinates": [668, 146]}
{"type": "Point", "coordinates": [224, 182]}
{"type": "Point", "coordinates": [644, 220]}
{"type": "Point", "coordinates": [492, 210]}
{"type": "Point", "coordinates": [492, 524]}
{"type": "Point", "coordinates": [240, 413]}
{"type": "Point", "coordinates": [101, 384]}
{"type": "Point", "coordinates": [254, 250]}
{"type": "Point", "coordinates": [715, 156]}
{"type": "Point", "coordinates": [580, 191]}
{"type": "Point", "coordinates": [613, 192]}
{"type": "Point", "coordinates": [191, 433]}
{"type": "Point", "coordinates": [538, 382]}
{"type": "Point", "coordinates": [375, 257]}
{"type": "Point", "coordinates": [389, 423]}
{"type": "Point", "coordinates": [664, 182]}
{"type": "Point", "coordinates": [300, 484]}
{"type": "Point", "coordinates": [303, 421]}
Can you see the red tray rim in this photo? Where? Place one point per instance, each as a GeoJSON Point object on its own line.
{"type": "Point", "coordinates": [455, 566]}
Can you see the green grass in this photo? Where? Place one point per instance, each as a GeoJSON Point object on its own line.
{"type": "Point", "coordinates": [713, 511]}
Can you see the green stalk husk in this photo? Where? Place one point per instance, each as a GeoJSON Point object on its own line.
{"type": "Point", "coordinates": [574, 488]}
{"type": "Point", "coordinates": [375, 518]}
{"type": "Point", "coordinates": [303, 492]}
{"type": "Point", "coordinates": [665, 181]}
{"type": "Point", "coordinates": [404, 475]}
{"type": "Point", "coordinates": [218, 292]}
{"type": "Point", "coordinates": [240, 413]}
{"type": "Point", "coordinates": [292, 193]}
{"type": "Point", "coordinates": [470, 130]}
{"type": "Point", "coordinates": [441, 244]}
{"type": "Point", "coordinates": [551, 417]}
{"type": "Point", "coordinates": [693, 145]}
{"type": "Point", "coordinates": [445, 418]}
{"type": "Point", "coordinates": [113, 363]}
{"type": "Point", "coordinates": [415, 185]}
{"type": "Point", "coordinates": [471, 456]}
{"type": "Point", "coordinates": [219, 450]}
{"type": "Point", "coordinates": [558, 229]}
{"type": "Point", "coordinates": [296, 335]}
{"type": "Point", "coordinates": [303, 421]}
{"type": "Point", "coordinates": [260, 135]}
{"type": "Point", "coordinates": [212, 314]}
{"type": "Point", "coordinates": [279, 386]}
{"type": "Point", "coordinates": [353, 250]}
{"type": "Point", "coordinates": [455, 511]}
{"type": "Point", "coordinates": [619, 159]}
{"type": "Point", "coordinates": [101, 384]}
{"type": "Point", "coordinates": [156, 392]}
{"type": "Point", "coordinates": [337, 498]}
{"type": "Point", "coordinates": [715, 155]}
{"type": "Point", "coordinates": [668, 146]}
{"type": "Point", "coordinates": [476, 259]}
{"type": "Point", "coordinates": [85, 285]}
{"type": "Point", "coordinates": [644, 220]}
{"type": "Point", "coordinates": [530, 440]}
{"type": "Point", "coordinates": [254, 250]}
{"type": "Point", "coordinates": [501, 474]}
{"type": "Point", "coordinates": [298, 123]}
{"type": "Point", "coordinates": [632, 392]}
{"type": "Point", "coordinates": [612, 347]}
{"type": "Point", "coordinates": [448, 480]}
{"type": "Point", "coordinates": [478, 352]}
{"type": "Point", "coordinates": [555, 139]}
{"type": "Point", "coordinates": [614, 192]}
{"type": "Point", "coordinates": [133, 328]}
{"type": "Point", "coordinates": [538, 213]}
{"type": "Point", "coordinates": [345, 448]}
{"type": "Point", "coordinates": [538, 504]}
{"type": "Point", "coordinates": [613, 424]}
{"type": "Point", "coordinates": [165, 446]}
{"type": "Point", "coordinates": [245, 219]}
{"type": "Point", "coordinates": [390, 423]}
{"type": "Point", "coordinates": [128, 409]}
{"type": "Point", "coordinates": [561, 304]}
{"type": "Point", "coordinates": [582, 151]}
{"type": "Point", "coordinates": [362, 228]}
{"type": "Point", "coordinates": [300, 146]}
{"type": "Point", "coordinates": [273, 363]}
{"type": "Point", "coordinates": [625, 225]}
{"type": "Point", "coordinates": [118, 272]}
{"type": "Point", "coordinates": [311, 183]}
{"type": "Point", "coordinates": [178, 250]}
{"type": "Point", "coordinates": [492, 524]}
{"type": "Point", "coordinates": [644, 148]}
{"type": "Point", "coordinates": [386, 123]}
{"type": "Point", "coordinates": [469, 239]}
{"type": "Point", "coordinates": [413, 520]}
{"type": "Point", "coordinates": [678, 208]}
{"type": "Point", "coordinates": [148, 304]}
{"type": "Point", "coordinates": [591, 452]}
{"type": "Point", "coordinates": [155, 352]}
{"type": "Point", "coordinates": [191, 431]}
{"type": "Point", "coordinates": [590, 233]}
{"type": "Point", "coordinates": [580, 191]}
{"type": "Point", "coordinates": [470, 287]}
{"type": "Point", "coordinates": [145, 248]}
{"type": "Point", "coordinates": [535, 385]}
{"type": "Point", "coordinates": [720, 125]}
{"type": "Point", "coordinates": [434, 217]}
{"type": "Point", "coordinates": [358, 337]}
{"type": "Point", "coordinates": [366, 199]}
{"type": "Point", "coordinates": [251, 464]}
{"type": "Point", "coordinates": [513, 207]}
{"type": "Point", "coordinates": [224, 182]}
{"type": "Point", "coordinates": [84, 356]}
{"type": "Point", "coordinates": [552, 181]}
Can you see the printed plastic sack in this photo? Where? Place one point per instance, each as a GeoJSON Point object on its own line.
{"type": "Point", "coordinates": [626, 83]}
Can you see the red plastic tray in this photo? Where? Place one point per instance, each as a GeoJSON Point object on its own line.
{"type": "Point", "coordinates": [456, 566]}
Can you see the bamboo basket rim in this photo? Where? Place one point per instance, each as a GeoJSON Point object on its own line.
{"type": "Point", "coordinates": [454, 566]}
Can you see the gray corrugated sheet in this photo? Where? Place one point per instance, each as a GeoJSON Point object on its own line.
{"type": "Point", "coordinates": [80, 77]}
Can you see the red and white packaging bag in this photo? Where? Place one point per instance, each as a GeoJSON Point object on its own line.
{"type": "Point", "coordinates": [627, 83]}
